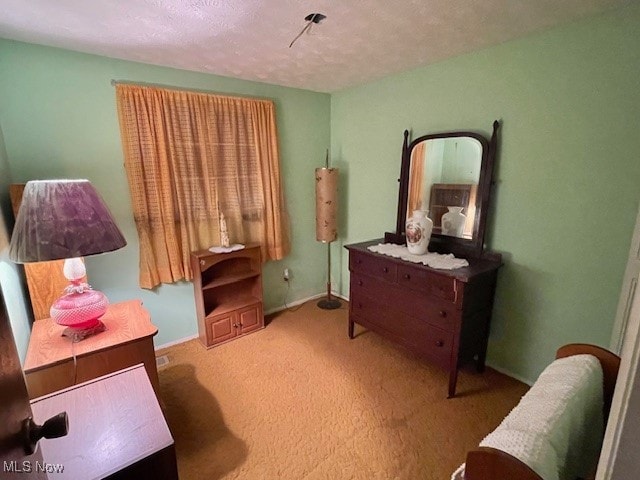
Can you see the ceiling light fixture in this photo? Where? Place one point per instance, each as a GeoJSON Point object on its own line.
{"type": "Point", "coordinates": [311, 19]}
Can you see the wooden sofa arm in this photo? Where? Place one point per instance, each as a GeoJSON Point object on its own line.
{"type": "Point", "coordinates": [485, 463]}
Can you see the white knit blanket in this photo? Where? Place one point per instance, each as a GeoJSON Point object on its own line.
{"type": "Point", "coordinates": [557, 427]}
{"type": "Point", "coordinates": [433, 260]}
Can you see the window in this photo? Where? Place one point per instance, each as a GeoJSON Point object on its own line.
{"type": "Point", "coordinates": [189, 157]}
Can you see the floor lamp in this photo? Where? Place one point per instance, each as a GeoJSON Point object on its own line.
{"type": "Point", "coordinates": [326, 221]}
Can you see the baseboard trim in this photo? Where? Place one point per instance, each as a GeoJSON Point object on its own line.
{"type": "Point", "coordinates": [509, 373]}
{"type": "Point", "coordinates": [175, 342]}
{"type": "Point", "coordinates": [301, 301]}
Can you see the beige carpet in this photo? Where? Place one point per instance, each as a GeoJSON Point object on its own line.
{"type": "Point", "coordinates": [299, 400]}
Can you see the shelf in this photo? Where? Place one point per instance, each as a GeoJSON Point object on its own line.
{"type": "Point", "coordinates": [228, 291]}
{"type": "Point", "coordinates": [229, 279]}
{"type": "Point", "coordinates": [233, 305]}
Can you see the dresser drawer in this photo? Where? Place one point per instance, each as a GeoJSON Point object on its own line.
{"type": "Point", "coordinates": [427, 282]}
{"type": "Point", "coordinates": [417, 334]}
{"type": "Point", "coordinates": [375, 266]}
{"type": "Point", "coordinates": [432, 309]}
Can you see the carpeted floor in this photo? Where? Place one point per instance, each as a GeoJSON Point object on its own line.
{"type": "Point", "coordinates": [299, 400]}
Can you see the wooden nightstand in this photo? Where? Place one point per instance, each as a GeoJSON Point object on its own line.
{"type": "Point", "coordinates": [116, 430]}
{"type": "Point", "coordinates": [127, 341]}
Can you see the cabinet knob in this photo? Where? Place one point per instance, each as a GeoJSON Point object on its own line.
{"type": "Point", "coordinates": [407, 276]}
{"type": "Point", "coordinates": [358, 261]}
{"type": "Point", "coordinates": [385, 269]}
{"type": "Point", "coordinates": [359, 305]}
{"type": "Point", "coordinates": [360, 282]}
{"type": "Point", "coordinates": [235, 325]}
{"type": "Point", "coordinates": [439, 343]}
{"type": "Point", "coordinates": [57, 426]}
{"type": "Point", "coordinates": [442, 313]}
{"type": "Point", "coordinates": [202, 262]}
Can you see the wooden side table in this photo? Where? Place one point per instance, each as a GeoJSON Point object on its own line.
{"type": "Point", "coordinates": [127, 341]}
{"type": "Point", "coordinates": [116, 430]}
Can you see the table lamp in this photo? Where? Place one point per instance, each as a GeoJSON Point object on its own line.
{"type": "Point", "coordinates": [67, 219]}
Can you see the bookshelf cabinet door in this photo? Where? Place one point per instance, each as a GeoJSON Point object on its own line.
{"type": "Point", "coordinates": [250, 318]}
{"type": "Point", "coordinates": [221, 328]}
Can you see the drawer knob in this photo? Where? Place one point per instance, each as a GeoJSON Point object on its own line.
{"type": "Point", "coordinates": [385, 269]}
{"type": "Point", "coordinates": [442, 313]}
{"type": "Point", "coordinates": [439, 343]}
{"type": "Point", "coordinates": [235, 325]}
{"type": "Point", "coordinates": [407, 276]}
{"type": "Point", "coordinates": [57, 426]}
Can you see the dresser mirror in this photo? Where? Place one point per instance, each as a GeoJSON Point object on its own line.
{"type": "Point", "coordinates": [448, 175]}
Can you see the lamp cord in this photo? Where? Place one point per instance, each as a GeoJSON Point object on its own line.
{"type": "Point", "coordinates": [75, 361]}
{"type": "Point", "coordinates": [286, 294]}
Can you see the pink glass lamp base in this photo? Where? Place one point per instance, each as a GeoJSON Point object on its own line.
{"type": "Point", "coordinates": [80, 312]}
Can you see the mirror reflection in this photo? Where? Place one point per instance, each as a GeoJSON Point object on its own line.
{"type": "Point", "coordinates": [443, 181]}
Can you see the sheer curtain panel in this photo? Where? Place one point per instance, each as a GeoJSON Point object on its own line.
{"type": "Point", "coordinates": [188, 157]}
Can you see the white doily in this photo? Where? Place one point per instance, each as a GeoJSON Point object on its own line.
{"type": "Point", "coordinates": [434, 260]}
{"type": "Point", "coordinates": [230, 248]}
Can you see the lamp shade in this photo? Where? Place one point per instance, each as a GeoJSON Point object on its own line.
{"type": "Point", "coordinates": [326, 204]}
{"type": "Point", "coordinates": [60, 219]}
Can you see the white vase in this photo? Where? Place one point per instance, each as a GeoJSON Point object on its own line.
{"type": "Point", "coordinates": [453, 222]}
{"type": "Point", "coordinates": [418, 230]}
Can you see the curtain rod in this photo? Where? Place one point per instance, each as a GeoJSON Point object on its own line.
{"type": "Point", "coordinates": [115, 82]}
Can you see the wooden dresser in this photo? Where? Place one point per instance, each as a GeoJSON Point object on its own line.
{"type": "Point", "coordinates": [54, 362]}
{"type": "Point", "coordinates": [441, 315]}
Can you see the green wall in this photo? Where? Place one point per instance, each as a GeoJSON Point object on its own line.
{"type": "Point", "coordinates": [568, 171]}
{"type": "Point", "coordinates": [58, 113]}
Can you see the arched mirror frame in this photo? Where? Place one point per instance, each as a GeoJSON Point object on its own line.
{"type": "Point", "coordinates": [472, 248]}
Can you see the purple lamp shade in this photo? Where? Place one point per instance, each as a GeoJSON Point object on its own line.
{"type": "Point", "coordinates": [67, 219]}
{"type": "Point", "coordinates": [61, 219]}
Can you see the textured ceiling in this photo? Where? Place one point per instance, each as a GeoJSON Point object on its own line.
{"type": "Point", "coordinates": [359, 41]}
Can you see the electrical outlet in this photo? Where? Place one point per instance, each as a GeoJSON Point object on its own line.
{"type": "Point", "coordinates": [285, 275]}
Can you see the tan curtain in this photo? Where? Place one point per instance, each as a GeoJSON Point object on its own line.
{"type": "Point", "coordinates": [188, 157]}
{"type": "Point", "coordinates": [416, 178]}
